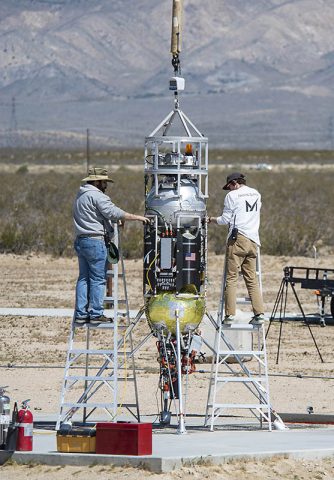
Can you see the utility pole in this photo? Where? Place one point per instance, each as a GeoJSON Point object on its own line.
{"type": "Point", "coordinates": [13, 121]}
{"type": "Point", "coordinates": [331, 132]}
{"type": "Point", "coordinates": [87, 150]}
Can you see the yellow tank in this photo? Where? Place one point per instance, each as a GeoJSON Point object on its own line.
{"type": "Point", "coordinates": [160, 311]}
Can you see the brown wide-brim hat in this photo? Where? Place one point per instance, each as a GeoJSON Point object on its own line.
{"type": "Point", "coordinates": [233, 176]}
{"type": "Point", "coordinates": [97, 173]}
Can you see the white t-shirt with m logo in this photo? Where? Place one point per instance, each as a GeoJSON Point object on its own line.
{"type": "Point", "coordinates": [242, 210]}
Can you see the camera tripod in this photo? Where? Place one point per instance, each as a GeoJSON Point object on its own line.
{"type": "Point", "coordinates": [310, 279]}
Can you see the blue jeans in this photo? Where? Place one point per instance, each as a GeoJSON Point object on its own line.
{"type": "Point", "coordinates": [90, 289]}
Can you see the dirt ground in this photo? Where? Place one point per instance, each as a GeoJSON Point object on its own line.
{"type": "Point", "coordinates": [273, 469]}
{"type": "Point", "coordinates": [33, 351]}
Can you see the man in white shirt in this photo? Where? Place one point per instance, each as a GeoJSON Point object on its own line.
{"type": "Point", "coordinates": [241, 212]}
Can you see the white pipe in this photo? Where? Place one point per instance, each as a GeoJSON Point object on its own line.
{"type": "Point", "coordinates": [315, 254]}
{"type": "Point", "coordinates": [176, 26]}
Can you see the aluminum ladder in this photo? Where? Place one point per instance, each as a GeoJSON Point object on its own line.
{"type": "Point", "coordinates": [229, 366]}
{"type": "Point", "coordinates": [252, 382]}
{"type": "Point", "coordinates": [100, 359]}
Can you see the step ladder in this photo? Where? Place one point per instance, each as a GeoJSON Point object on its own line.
{"type": "Point", "coordinates": [230, 376]}
{"type": "Point", "coordinates": [100, 369]}
{"type": "Point", "coordinates": [229, 368]}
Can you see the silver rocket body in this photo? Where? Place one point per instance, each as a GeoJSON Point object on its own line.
{"type": "Point", "coordinates": [175, 243]}
{"type": "Point", "coordinates": [171, 206]}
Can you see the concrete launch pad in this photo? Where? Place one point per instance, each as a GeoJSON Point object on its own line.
{"type": "Point", "coordinates": [199, 445]}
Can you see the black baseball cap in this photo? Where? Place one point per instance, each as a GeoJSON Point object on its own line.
{"type": "Point", "coordinates": [233, 176]}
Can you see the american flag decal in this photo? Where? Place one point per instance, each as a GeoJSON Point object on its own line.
{"type": "Point", "coordinates": [191, 257]}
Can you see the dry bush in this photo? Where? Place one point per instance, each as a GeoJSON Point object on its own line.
{"type": "Point", "coordinates": [119, 156]}
{"type": "Point", "coordinates": [297, 210]}
{"type": "Point", "coordinates": [36, 210]}
{"type": "Point", "coordinates": [276, 157]}
{"type": "Point", "coordinates": [34, 156]}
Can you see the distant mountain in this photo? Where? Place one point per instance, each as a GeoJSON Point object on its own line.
{"type": "Point", "coordinates": [258, 72]}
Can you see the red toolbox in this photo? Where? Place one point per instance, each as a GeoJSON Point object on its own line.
{"type": "Point", "coordinates": [124, 438]}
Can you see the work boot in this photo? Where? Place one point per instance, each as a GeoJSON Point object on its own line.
{"type": "Point", "coordinates": [228, 320]}
{"type": "Point", "coordinates": [100, 319]}
{"type": "Point", "coordinates": [258, 319]}
{"type": "Point", "coordinates": [79, 321]}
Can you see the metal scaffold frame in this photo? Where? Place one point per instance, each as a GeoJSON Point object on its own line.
{"type": "Point", "coordinates": [228, 364]}
{"type": "Point", "coordinates": [224, 373]}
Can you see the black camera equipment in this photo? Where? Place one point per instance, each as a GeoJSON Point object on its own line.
{"type": "Point", "coordinates": [234, 233]}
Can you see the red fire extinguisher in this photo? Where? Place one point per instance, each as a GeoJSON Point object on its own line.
{"type": "Point", "coordinates": [25, 428]}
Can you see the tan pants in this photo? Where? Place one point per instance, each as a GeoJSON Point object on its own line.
{"type": "Point", "coordinates": [241, 254]}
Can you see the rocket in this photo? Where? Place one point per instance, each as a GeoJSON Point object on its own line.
{"type": "Point", "coordinates": [175, 241]}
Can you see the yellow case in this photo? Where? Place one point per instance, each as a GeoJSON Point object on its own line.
{"type": "Point", "coordinates": [76, 444]}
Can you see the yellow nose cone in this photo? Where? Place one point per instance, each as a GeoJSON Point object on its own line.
{"type": "Point", "coordinates": [160, 311]}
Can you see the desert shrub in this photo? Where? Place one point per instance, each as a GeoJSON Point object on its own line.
{"type": "Point", "coordinates": [22, 170]}
{"type": "Point", "coordinates": [36, 210]}
{"type": "Point", "coordinates": [242, 157]}
{"type": "Point", "coordinates": [35, 156]}
{"type": "Point", "coordinates": [297, 210]}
